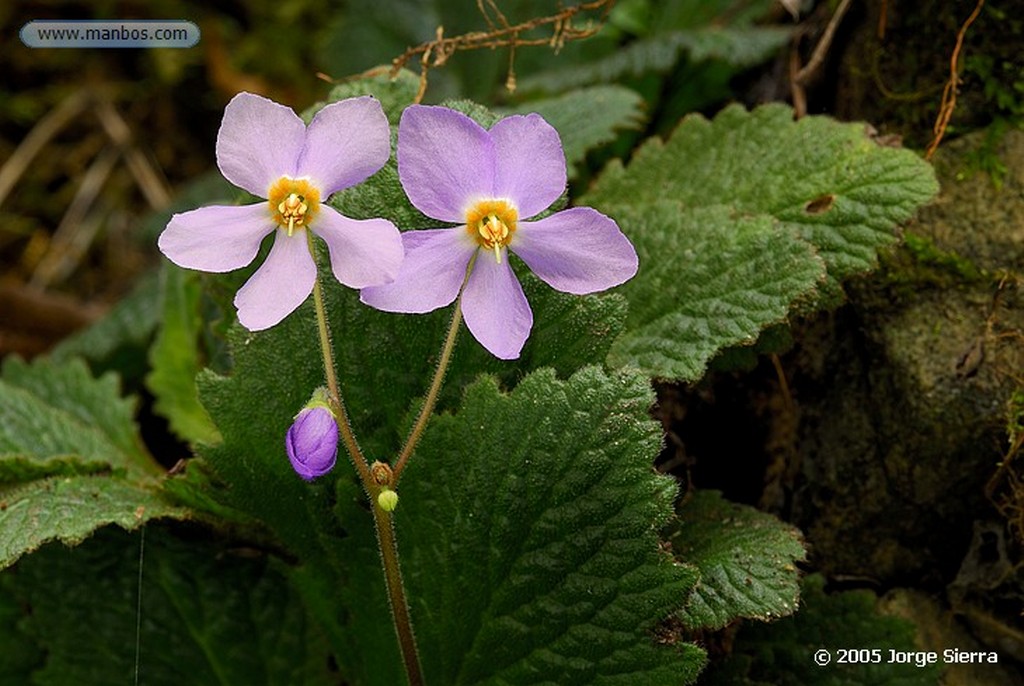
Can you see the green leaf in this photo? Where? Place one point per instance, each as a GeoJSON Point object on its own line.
{"type": "Point", "coordinates": [203, 616]}
{"type": "Point", "coordinates": [174, 357]}
{"type": "Point", "coordinates": [709, 279]}
{"type": "Point", "coordinates": [830, 181]}
{"type": "Point", "coordinates": [782, 654]}
{"type": "Point", "coordinates": [394, 94]}
{"type": "Point", "coordinates": [608, 108]}
{"type": "Point", "coordinates": [49, 410]}
{"type": "Point", "coordinates": [746, 560]}
{"type": "Point", "coordinates": [773, 181]}
{"type": "Point", "coordinates": [385, 363]}
{"type": "Point", "coordinates": [528, 531]}
{"type": "Point", "coordinates": [70, 508]}
{"type": "Point", "coordinates": [71, 460]}
{"type": "Point", "coordinates": [738, 47]}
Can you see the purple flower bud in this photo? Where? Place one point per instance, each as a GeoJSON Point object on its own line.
{"type": "Point", "coordinates": [312, 442]}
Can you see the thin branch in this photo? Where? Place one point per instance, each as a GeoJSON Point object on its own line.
{"type": "Point", "coordinates": [149, 180]}
{"type": "Point", "coordinates": [821, 49]}
{"type": "Point", "coordinates": [949, 92]}
{"type": "Point", "coordinates": [435, 53]}
{"type": "Point", "coordinates": [800, 76]}
{"type": "Point", "coordinates": [74, 234]}
{"type": "Point", "coordinates": [46, 128]}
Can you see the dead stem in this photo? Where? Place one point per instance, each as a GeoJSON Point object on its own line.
{"type": "Point", "coordinates": [949, 92]}
{"type": "Point", "coordinates": [435, 53]}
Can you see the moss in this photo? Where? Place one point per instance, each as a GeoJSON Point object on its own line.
{"type": "Point", "coordinates": [920, 263]}
{"type": "Point", "coordinates": [896, 81]}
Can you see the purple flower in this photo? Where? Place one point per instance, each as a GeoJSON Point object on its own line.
{"type": "Point", "coordinates": [264, 148]}
{"type": "Point", "coordinates": [312, 442]}
{"type": "Point", "coordinates": [489, 182]}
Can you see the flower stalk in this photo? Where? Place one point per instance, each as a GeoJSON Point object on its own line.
{"type": "Point", "coordinates": [435, 385]}
{"type": "Point", "coordinates": [382, 520]}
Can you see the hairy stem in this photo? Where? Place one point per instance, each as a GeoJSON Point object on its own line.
{"type": "Point", "coordinates": [396, 594]}
{"type": "Point", "coordinates": [382, 520]}
{"type": "Point", "coordinates": [435, 386]}
{"type": "Point", "coordinates": [337, 404]}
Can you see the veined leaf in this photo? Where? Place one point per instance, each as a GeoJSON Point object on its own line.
{"type": "Point", "coordinates": [709, 278]}
{"type": "Point", "coordinates": [528, 530]}
{"type": "Point", "coordinates": [746, 560]}
{"type": "Point", "coordinates": [814, 180]}
{"type": "Point", "coordinates": [203, 615]}
{"type": "Point", "coordinates": [71, 460]}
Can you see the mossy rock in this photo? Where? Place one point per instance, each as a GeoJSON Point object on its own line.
{"type": "Point", "coordinates": [903, 415]}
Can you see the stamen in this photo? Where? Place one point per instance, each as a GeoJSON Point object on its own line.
{"type": "Point", "coordinates": [295, 202]}
{"type": "Point", "coordinates": [492, 223]}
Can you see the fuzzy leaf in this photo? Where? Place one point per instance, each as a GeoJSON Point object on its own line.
{"type": "Point", "coordinates": [528, 528]}
{"type": "Point", "coordinates": [746, 560]}
{"type": "Point", "coordinates": [736, 46]}
{"type": "Point", "coordinates": [385, 364]}
{"type": "Point", "coordinates": [49, 410]}
{"type": "Point", "coordinates": [782, 653]}
{"type": "Point", "coordinates": [608, 108]}
{"type": "Point", "coordinates": [69, 509]}
{"type": "Point", "coordinates": [174, 357]}
{"type": "Point", "coordinates": [204, 616]}
{"type": "Point", "coordinates": [709, 279]}
{"type": "Point", "coordinates": [394, 94]}
{"type": "Point", "coordinates": [814, 180]}
{"type": "Point", "coordinates": [71, 460]}
{"type": "Point", "coordinates": [843, 192]}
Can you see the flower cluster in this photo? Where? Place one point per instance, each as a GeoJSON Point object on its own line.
{"type": "Point", "coordinates": [492, 185]}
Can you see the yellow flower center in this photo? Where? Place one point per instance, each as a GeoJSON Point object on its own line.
{"type": "Point", "coordinates": [492, 223]}
{"type": "Point", "coordinates": [293, 202]}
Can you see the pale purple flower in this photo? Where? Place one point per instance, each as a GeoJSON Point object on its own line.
{"type": "Point", "coordinates": [266, 149]}
{"type": "Point", "coordinates": [312, 442]}
{"type": "Point", "coordinates": [488, 182]}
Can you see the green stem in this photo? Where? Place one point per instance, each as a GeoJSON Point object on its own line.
{"type": "Point", "coordinates": [435, 386]}
{"type": "Point", "coordinates": [337, 404]}
{"type": "Point", "coordinates": [382, 520]}
{"type": "Point", "coordinates": [396, 594]}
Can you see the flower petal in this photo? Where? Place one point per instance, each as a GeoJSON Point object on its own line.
{"type": "Point", "coordinates": [495, 308]}
{"type": "Point", "coordinates": [445, 161]}
{"type": "Point", "coordinates": [217, 238]}
{"type": "Point", "coordinates": [364, 252]}
{"type": "Point", "coordinates": [259, 142]}
{"type": "Point", "coordinates": [530, 163]}
{"type": "Point", "coordinates": [346, 142]}
{"type": "Point", "coordinates": [431, 273]}
{"type": "Point", "coordinates": [577, 251]}
{"type": "Point", "coordinates": [279, 286]}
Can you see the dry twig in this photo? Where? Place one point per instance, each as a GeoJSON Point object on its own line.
{"type": "Point", "coordinates": [949, 92]}
{"type": "Point", "coordinates": [800, 76]}
{"type": "Point", "coordinates": [436, 52]}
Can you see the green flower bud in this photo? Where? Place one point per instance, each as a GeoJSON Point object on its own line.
{"type": "Point", "coordinates": [388, 500]}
